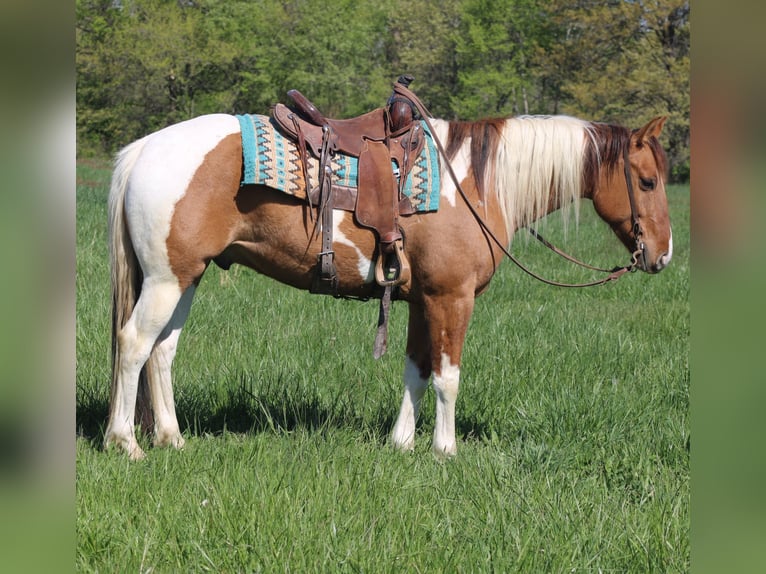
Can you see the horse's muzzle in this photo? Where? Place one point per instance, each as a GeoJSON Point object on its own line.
{"type": "Point", "coordinates": [642, 260]}
{"type": "Point", "coordinates": [654, 267]}
{"type": "Point", "coordinates": [661, 262]}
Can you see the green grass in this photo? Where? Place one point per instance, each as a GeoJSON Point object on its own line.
{"type": "Point", "coordinates": [573, 425]}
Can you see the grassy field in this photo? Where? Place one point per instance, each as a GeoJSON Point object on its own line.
{"type": "Point", "coordinates": [573, 426]}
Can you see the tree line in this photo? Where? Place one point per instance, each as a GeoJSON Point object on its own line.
{"type": "Point", "coordinates": [144, 64]}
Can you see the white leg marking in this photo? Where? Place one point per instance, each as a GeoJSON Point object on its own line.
{"type": "Point", "coordinates": [366, 270]}
{"type": "Point", "coordinates": [446, 385]}
{"type": "Point", "coordinates": [119, 431]}
{"type": "Point", "coordinates": [166, 429]}
{"type": "Point", "coordinates": [403, 435]}
{"type": "Point", "coordinates": [135, 341]}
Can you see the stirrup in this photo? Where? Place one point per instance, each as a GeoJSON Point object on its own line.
{"type": "Point", "coordinates": [397, 270]}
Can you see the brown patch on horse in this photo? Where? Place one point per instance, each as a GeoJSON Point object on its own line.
{"type": "Point", "coordinates": [200, 230]}
{"type": "Point", "coordinates": [464, 259]}
{"type": "Point", "coordinates": [419, 340]}
{"type": "Point", "coordinates": [261, 228]}
{"type": "Point", "coordinates": [485, 138]}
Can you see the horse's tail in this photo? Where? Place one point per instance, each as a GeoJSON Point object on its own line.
{"type": "Point", "coordinates": [126, 276]}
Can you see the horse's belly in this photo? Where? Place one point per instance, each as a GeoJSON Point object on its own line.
{"type": "Point", "coordinates": [280, 244]}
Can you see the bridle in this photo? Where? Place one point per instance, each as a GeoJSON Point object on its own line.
{"type": "Point", "coordinates": [635, 220]}
{"type": "Point", "coordinates": [614, 273]}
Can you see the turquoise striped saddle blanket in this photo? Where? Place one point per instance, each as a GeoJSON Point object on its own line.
{"type": "Point", "coordinates": [273, 160]}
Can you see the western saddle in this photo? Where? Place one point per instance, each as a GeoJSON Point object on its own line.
{"type": "Point", "coordinates": [387, 142]}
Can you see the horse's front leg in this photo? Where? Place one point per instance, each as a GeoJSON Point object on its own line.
{"type": "Point", "coordinates": [417, 371]}
{"type": "Point", "coordinates": [435, 337]}
{"type": "Point", "coordinates": [447, 318]}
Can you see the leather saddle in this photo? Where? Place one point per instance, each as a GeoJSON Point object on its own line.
{"type": "Point", "coordinates": [387, 142]}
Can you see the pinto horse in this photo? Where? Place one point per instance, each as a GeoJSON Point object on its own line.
{"type": "Point", "coordinates": [177, 204]}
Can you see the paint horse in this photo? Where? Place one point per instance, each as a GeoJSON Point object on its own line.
{"type": "Point", "coordinates": [177, 204]}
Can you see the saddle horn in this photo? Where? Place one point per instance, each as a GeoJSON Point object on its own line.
{"type": "Point", "coordinates": [305, 108]}
{"type": "Point", "coordinates": [400, 110]}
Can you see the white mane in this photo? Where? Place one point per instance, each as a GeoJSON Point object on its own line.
{"type": "Point", "coordinates": [539, 159]}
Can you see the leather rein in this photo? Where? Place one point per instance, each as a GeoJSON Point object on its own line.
{"type": "Point", "coordinates": [614, 273]}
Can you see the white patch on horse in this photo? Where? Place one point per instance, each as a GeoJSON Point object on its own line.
{"type": "Point", "coordinates": [460, 163]}
{"type": "Point", "coordinates": [169, 160]}
{"type": "Point", "coordinates": [403, 435]}
{"type": "Point", "coordinates": [446, 384]}
{"type": "Point", "coordinates": [364, 265]}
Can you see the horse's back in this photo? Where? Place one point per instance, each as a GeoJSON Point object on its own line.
{"type": "Point", "coordinates": [181, 147]}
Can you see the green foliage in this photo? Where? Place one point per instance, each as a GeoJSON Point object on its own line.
{"type": "Point", "coordinates": [143, 64]}
{"type": "Point", "coordinates": [493, 56]}
{"type": "Point", "coordinates": [421, 40]}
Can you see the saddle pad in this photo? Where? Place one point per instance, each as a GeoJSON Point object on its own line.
{"type": "Point", "coordinates": [272, 159]}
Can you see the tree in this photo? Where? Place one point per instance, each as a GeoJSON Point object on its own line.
{"type": "Point", "coordinates": [143, 64]}
{"type": "Point", "coordinates": [493, 56]}
{"type": "Point", "coordinates": [421, 38]}
{"type": "Point", "coordinates": [622, 62]}
{"type": "Point", "coordinates": [138, 63]}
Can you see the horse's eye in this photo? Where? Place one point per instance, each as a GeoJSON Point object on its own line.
{"type": "Point", "coordinates": [647, 183]}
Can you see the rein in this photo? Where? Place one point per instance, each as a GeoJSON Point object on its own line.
{"type": "Point", "coordinates": [614, 273]}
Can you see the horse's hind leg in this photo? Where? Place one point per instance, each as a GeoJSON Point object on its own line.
{"type": "Point", "coordinates": [153, 311]}
{"type": "Point", "coordinates": [166, 429]}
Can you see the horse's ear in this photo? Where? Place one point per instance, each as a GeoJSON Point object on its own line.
{"type": "Point", "coordinates": [652, 129]}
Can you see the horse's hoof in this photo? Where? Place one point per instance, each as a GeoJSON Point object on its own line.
{"type": "Point", "coordinates": [137, 453]}
{"type": "Point", "coordinates": [403, 442]}
{"type": "Point", "coordinates": [445, 452]}
{"type": "Point", "coordinates": [404, 447]}
{"type": "Point", "coordinates": [173, 439]}
{"type": "Point", "coordinates": [129, 445]}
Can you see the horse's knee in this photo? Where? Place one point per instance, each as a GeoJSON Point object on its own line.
{"type": "Point", "coordinates": [447, 382]}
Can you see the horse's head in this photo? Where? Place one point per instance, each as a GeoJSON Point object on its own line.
{"type": "Point", "coordinates": [632, 199]}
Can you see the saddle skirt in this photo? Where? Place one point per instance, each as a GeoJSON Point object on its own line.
{"type": "Point", "coordinates": [271, 159]}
